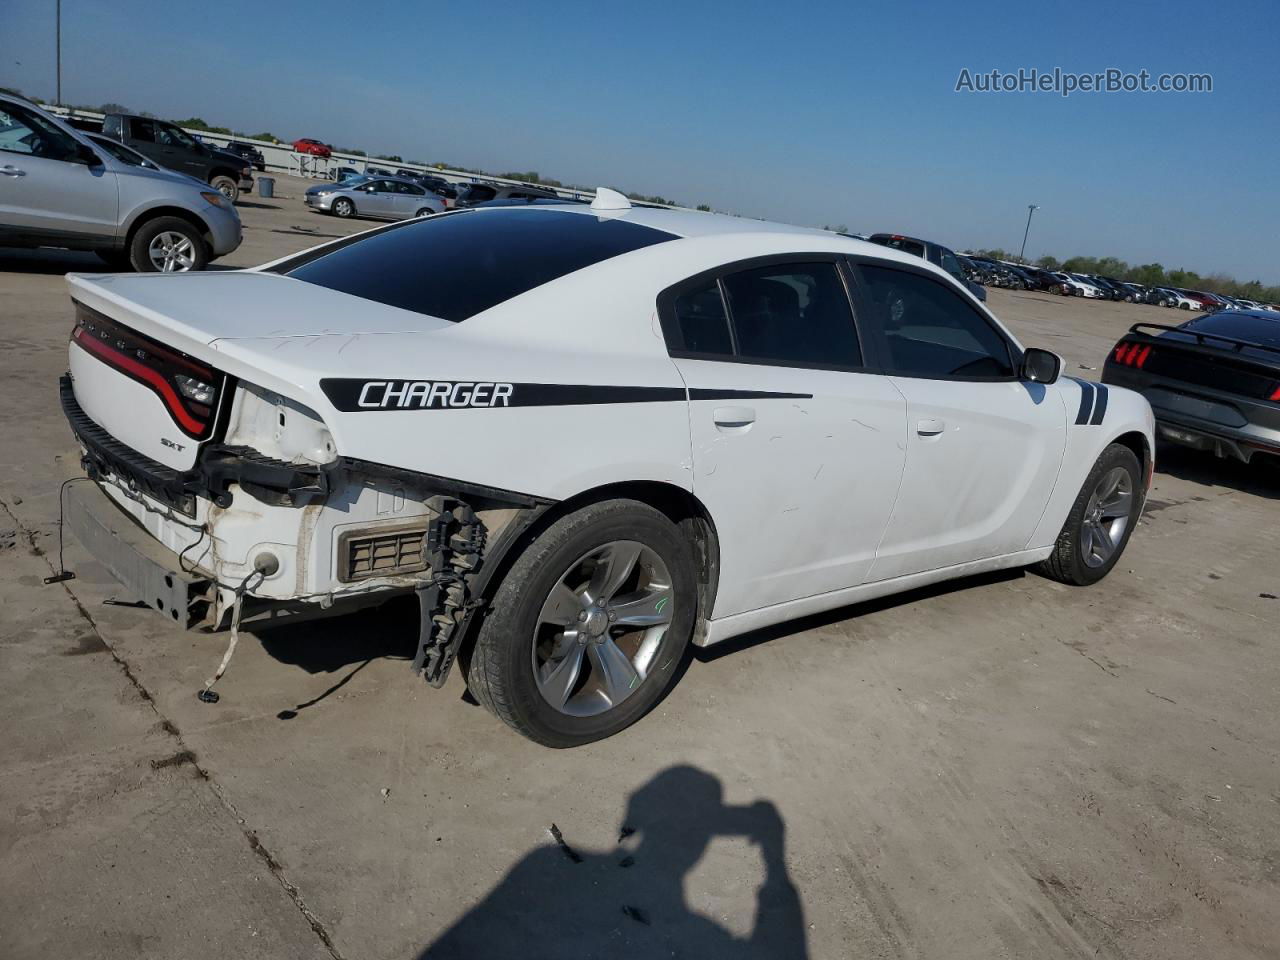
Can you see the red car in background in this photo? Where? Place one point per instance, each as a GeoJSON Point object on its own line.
{"type": "Point", "coordinates": [307, 145]}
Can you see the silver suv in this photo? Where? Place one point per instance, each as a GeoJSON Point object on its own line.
{"type": "Point", "coordinates": [58, 189]}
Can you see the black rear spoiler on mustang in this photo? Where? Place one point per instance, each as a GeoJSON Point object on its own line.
{"type": "Point", "coordinates": [1201, 337]}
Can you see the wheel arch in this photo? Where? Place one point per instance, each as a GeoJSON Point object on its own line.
{"type": "Point", "coordinates": [1137, 442]}
{"type": "Point", "coordinates": [144, 217]}
{"type": "Point", "coordinates": [679, 505]}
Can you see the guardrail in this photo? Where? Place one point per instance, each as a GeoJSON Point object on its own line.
{"type": "Point", "coordinates": [282, 158]}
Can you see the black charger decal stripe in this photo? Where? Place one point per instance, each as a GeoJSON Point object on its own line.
{"type": "Point", "coordinates": [1099, 408]}
{"type": "Point", "coordinates": [700, 393]}
{"type": "Point", "coordinates": [352, 395]}
{"type": "Point", "coordinates": [1086, 401]}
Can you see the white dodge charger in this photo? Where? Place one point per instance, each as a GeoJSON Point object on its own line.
{"type": "Point", "coordinates": [585, 437]}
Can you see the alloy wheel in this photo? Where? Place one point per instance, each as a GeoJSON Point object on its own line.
{"type": "Point", "coordinates": [172, 252]}
{"type": "Point", "coordinates": [600, 628]}
{"type": "Point", "coordinates": [1106, 517]}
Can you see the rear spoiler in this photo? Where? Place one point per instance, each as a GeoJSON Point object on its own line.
{"type": "Point", "coordinates": [1234, 344]}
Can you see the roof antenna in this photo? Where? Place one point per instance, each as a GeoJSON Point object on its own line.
{"type": "Point", "coordinates": [607, 199]}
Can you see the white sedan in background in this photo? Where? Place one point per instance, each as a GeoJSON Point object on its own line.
{"type": "Point", "coordinates": [585, 437]}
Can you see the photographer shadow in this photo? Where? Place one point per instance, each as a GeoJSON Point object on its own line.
{"type": "Point", "coordinates": [559, 902]}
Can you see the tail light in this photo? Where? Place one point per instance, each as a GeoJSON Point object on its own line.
{"type": "Point", "coordinates": [188, 389]}
{"type": "Point", "coordinates": [1275, 395]}
{"type": "Point", "coordinates": [1132, 354]}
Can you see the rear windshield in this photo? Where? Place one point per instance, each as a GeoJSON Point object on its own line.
{"type": "Point", "coordinates": [460, 264]}
{"type": "Point", "coordinates": [1237, 326]}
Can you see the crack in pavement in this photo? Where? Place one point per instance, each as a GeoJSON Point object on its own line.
{"type": "Point", "coordinates": [185, 754]}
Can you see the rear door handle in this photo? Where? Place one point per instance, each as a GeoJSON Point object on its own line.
{"type": "Point", "coordinates": [931, 427]}
{"type": "Point", "coordinates": [9, 170]}
{"type": "Point", "coordinates": [733, 418]}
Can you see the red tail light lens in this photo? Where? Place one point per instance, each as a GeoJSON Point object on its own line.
{"type": "Point", "coordinates": [188, 389]}
{"type": "Point", "coordinates": [1275, 394]}
{"type": "Point", "coordinates": [1132, 354]}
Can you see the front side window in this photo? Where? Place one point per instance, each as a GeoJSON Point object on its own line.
{"type": "Point", "coordinates": [170, 136]}
{"type": "Point", "coordinates": [144, 130]}
{"type": "Point", "coordinates": [929, 330]}
{"type": "Point", "coordinates": [26, 132]}
{"type": "Point", "coordinates": [793, 313]}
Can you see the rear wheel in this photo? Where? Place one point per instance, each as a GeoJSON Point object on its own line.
{"type": "Point", "coordinates": [167, 245]}
{"type": "Point", "coordinates": [424, 212]}
{"type": "Point", "coordinates": [589, 625]}
{"type": "Point", "coordinates": [1100, 522]}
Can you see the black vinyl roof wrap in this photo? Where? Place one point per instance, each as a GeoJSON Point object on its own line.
{"type": "Point", "coordinates": [459, 264]}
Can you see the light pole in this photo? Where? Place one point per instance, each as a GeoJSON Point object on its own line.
{"type": "Point", "coordinates": [58, 95]}
{"type": "Point", "coordinates": [1031, 208]}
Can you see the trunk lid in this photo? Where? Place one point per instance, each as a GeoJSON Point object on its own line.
{"type": "Point", "coordinates": [144, 343]}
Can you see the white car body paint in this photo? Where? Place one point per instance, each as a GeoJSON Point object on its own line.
{"type": "Point", "coordinates": [864, 485]}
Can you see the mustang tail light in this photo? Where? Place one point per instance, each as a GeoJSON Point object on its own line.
{"type": "Point", "coordinates": [1132, 354]}
{"type": "Point", "coordinates": [1275, 395]}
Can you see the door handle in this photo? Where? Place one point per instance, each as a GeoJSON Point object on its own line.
{"type": "Point", "coordinates": [9, 170]}
{"type": "Point", "coordinates": [930, 427]}
{"type": "Point", "coordinates": [733, 418]}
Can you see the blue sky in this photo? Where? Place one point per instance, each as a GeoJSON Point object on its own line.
{"type": "Point", "coordinates": [819, 113]}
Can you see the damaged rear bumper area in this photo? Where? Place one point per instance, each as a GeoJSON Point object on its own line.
{"type": "Point", "coordinates": [219, 467]}
{"type": "Point", "coordinates": [336, 536]}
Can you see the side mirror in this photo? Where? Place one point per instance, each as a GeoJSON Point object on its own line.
{"type": "Point", "coordinates": [1041, 366]}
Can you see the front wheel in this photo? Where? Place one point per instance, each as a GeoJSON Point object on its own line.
{"type": "Point", "coordinates": [1100, 522]}
{"type": "Point", "coordinates": [227, 187]}
{"type": "Point", "coordinates": [589, 625]}
{"type": "Point", "coordinates": [168, 245]}
{"type": "Point", "coordinates": [344, 208]}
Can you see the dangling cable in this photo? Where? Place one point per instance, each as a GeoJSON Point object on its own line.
{"type": "Point", "coordinates": [207, 695]}
{"type": "Point", "coordinates": [63, 573]}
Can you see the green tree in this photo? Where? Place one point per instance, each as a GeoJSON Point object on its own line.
{"type": "Point", "coordinates": [1049, 263]}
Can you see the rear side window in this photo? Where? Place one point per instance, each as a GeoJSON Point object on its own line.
{"type": "Point", "coordinates": [701, 319]}
{"type": "Point", "coordinates": [460, 264]}
{"type": "Point", "coordinates": [785, 314]}
{"type": "Point", "coordinates": [931, 331]}
{"type": "Point", "coordinates": [795, 313]}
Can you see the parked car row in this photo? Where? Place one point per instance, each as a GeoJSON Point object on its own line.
{"type": "Point", "coordinates": [1017, 276]}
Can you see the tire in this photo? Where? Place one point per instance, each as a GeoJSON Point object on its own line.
{"type": "Point", "coordinates": [190, 252]}
{"type": "Point", "coordinates": [1068, 563]}
{"type": "Point", "coordinates": [424, 212]}
{"type": "Point", "coordinates": [226, 186]}
{"type": "Point", "coordinates": [344, 208]}
{"type": "Point", "coordinates": [514, 636]}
